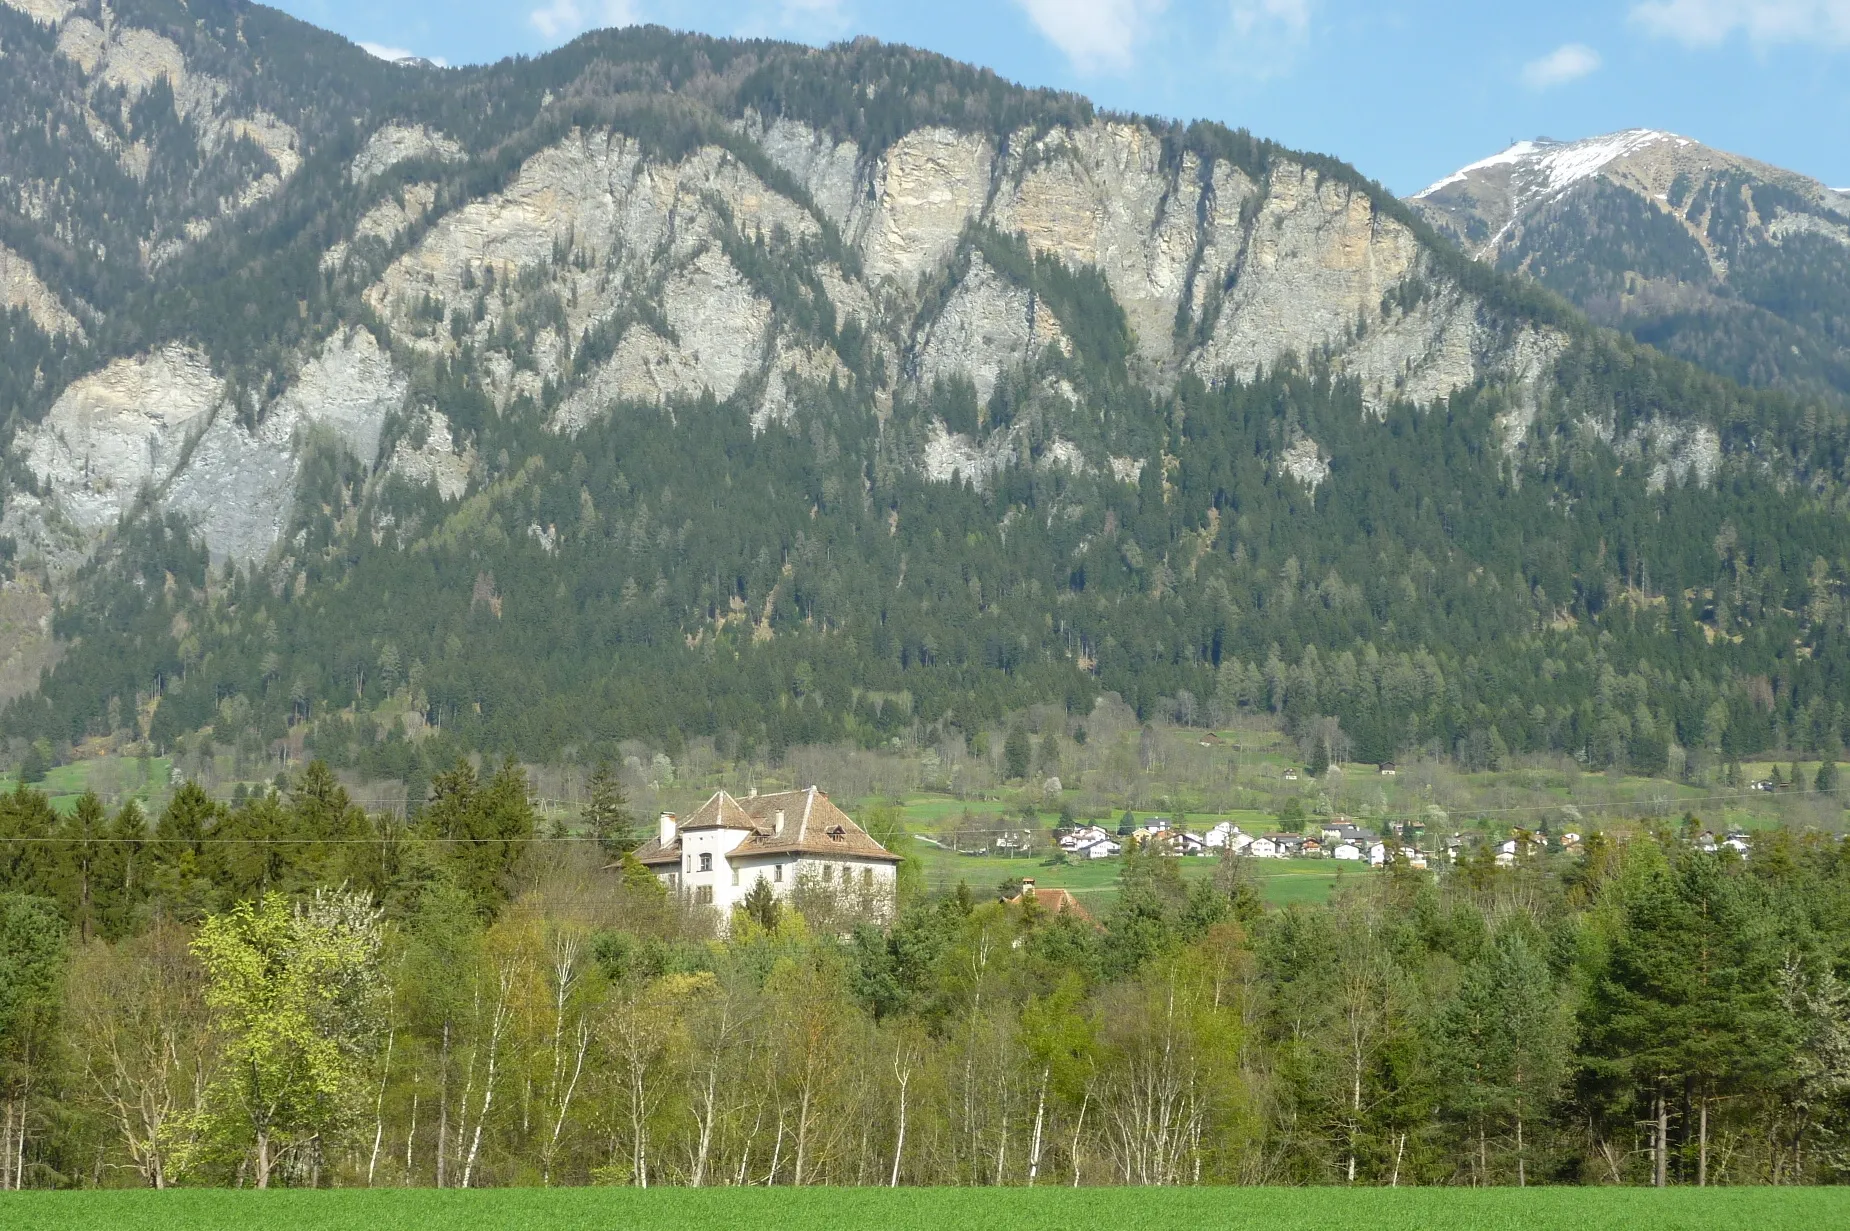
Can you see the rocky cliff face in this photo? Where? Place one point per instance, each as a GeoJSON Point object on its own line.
{"type": "Point", "coordinates": [583, 267]}
{"type": "Point", "coordinates": [1734, 264]}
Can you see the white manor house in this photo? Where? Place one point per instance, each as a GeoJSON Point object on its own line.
{"type": "Point", "coordinates": [727, 845]}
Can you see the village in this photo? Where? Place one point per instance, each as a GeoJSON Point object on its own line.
{"type": "Point", "coordinates": [1338, 838]}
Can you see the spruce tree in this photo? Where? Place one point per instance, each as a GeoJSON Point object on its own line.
{"type": "Point", "coordinates": [606, 813]}
{"type": "Point", "coordinates": [1319, 762]}
{"type": "Point", "coordinates": [1016, 752]}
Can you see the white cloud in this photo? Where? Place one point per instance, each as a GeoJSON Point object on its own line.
{"type": "Point", "coordinates": [1095, 34]}
{"type": "Point", "coordinates": [814, 19]}
{"type": "Point", "coordinates": [1262, 38]}
{"type": "Point", "coordinates": [399, 53]}
{"type": "Point", "coordinates": [1705, 23]}
{"type": "Point", "coordinates": [1568, 62]}
{"type": "Point", "coordinates": [1272, 19]}
{"type": "Point", "coordinates": [827, 12]}
{"type": "Point", "coordinates": [564, 19]}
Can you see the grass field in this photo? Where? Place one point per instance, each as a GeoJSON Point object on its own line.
{"type": "Point", "coordinates": [1095, 881]}
{"type": "Point", "coordinates": [1052, 1209]}
{"type": "Point", "coordinates": [108, 776]}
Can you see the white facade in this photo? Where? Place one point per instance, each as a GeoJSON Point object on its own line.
{"type": "Point", "coordinates": [1223, 835]}
{"type": "Point", "coordinates": [795, 838]}
{"type": "Point", "coordinates": [713, 877]}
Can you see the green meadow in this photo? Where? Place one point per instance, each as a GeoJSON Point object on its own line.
{"type": "Point", "coordinates": [1019, 1209]}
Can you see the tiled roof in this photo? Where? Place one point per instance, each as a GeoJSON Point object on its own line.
{"type": "Point", "coordinates": [813, 826]}
{"type": "Point", "coordinates": [1055, 902]}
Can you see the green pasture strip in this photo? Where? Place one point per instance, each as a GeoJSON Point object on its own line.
{"type": "Point", "coordinates": [1281, 882]}
{"type": "Point", "coordinates": [1051, 1209]}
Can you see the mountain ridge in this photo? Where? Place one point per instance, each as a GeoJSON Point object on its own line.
{"type": "Point", "coordinates": [1733, 263]}
{"type": "Point", "coordinates": [666, 386]}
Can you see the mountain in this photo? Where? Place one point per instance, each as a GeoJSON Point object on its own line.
{"type": "Point", "coordinates": [1738, 266]}
{"type": "Point", "coordinates": [666, 387]}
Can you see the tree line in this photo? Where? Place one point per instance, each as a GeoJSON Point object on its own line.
{"type": "Point", "coordinates": [350, 1000]}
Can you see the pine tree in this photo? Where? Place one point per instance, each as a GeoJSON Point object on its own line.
{"type": "Point", "coordinates": [1319, 762]}
{"type": "Point", "coordinates": [606, 813]}
{"type": "Point", "coordinates": [761, 905]}
{"type": "Point", "coordinates": [1016, 753]}
{"type": "Point", "coordinates": [1826, 781]}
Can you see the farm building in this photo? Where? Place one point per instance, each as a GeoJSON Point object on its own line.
{"type": "Point", "coordinates": [727, 845]}
{"type": "Point", "coordinates": [1053, 901]}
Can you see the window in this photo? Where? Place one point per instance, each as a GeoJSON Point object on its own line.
{"type": "Point", "coordinates": [673, 880]}
{"type": "Point", "coordinates": [703, 895]}
{"type": "Point", "coordinates": [867, 878]}
{"type": "Point", "coordinates": [828, 873]}
{"type": "Point", "coordinates": [735, 876]}
{"type": "Point", "coordinates": [777, 873]}
{"type": "Point", "coordinates": [706, 862]}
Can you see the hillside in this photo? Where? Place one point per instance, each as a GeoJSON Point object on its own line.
{"type": "Point", "coordinates": [665, 386]}
{"type": "Point", "coordinates": [1738, 266]}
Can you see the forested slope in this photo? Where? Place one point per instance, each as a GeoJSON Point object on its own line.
{"type": "Point", "coordinates": [664, 386]}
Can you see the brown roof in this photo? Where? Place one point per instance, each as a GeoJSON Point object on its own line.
{"type": "Point", "coordinates": [813, 825]}
{"type": "Point", "coordinates": [1055, 902]}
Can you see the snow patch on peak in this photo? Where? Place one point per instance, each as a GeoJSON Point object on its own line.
{"type": "Point", "coordinates": [1547, 167]}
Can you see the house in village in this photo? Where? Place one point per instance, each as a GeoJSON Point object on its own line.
{"type": "Point", "coordinates": [1349, 852]}
{"type": "Point", "coordinates": [1520, 846]}
{"type": "Point", "coordinates": [1083, 835]}
{"type": "Point", "coordinates": [1052, 901]}
{"type": "Point", "coordinates": [1099, 848]}
{"type": "Point", "coordinates": [728, 845]}
{"type": "Point", "coordinates": [1175, 842]}
{"type": "Point", "coordinates": [1262, 847]}
{"type": "Point", "coordinates": [1340, 830]}
{"type": "Point", "coordinates": [1227, 836]}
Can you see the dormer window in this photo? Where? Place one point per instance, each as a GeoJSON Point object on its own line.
{"type": "Point", "coordinates": [837, 833]}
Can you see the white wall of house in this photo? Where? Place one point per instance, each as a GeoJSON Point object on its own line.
{"type": "Point", "coordinates": [711, 877]}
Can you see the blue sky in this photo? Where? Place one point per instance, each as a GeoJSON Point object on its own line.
{"type": "Point", "coordinates": [1407, 90]}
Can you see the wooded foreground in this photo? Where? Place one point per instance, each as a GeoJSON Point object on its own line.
{"type": "Point", "coordinates": [294, 994]}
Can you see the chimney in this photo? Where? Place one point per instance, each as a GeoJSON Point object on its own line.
{"type": "Point", "coordinates": [780, 822]}
{"type": "Point", "coordinates": [667, 834]}
{"type": "Point", "coordinates": [754, 793]}
{"type": "Point", "coordinates": [1027, 884]}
